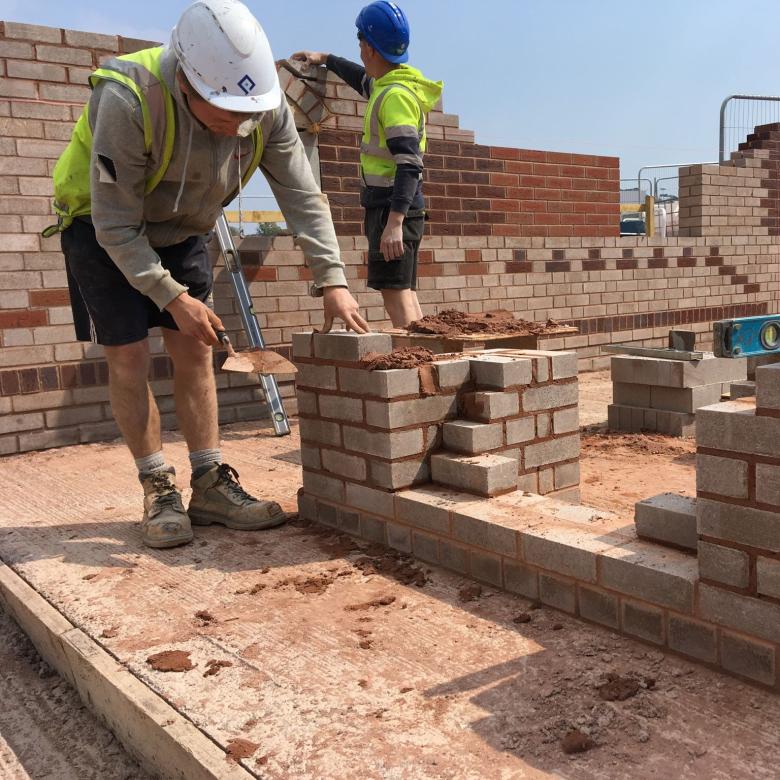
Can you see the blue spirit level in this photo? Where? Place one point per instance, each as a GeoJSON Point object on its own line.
{"type": "Point", "coordinates": [747, 336]}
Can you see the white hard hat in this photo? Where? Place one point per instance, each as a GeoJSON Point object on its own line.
{"type": "Point", "coordinates": [226, 57]}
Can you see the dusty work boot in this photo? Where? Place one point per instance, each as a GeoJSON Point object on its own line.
{"type": "Point", "coordinates": [165, 522]}
{"type": "Point", "coordinates": [217, 497]}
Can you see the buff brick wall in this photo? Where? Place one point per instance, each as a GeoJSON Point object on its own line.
{"type": "Point", "coordinates": [53, 390]}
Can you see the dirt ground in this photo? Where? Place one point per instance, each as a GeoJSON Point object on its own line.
{"type": "Point", "coordinates": [309, 656]}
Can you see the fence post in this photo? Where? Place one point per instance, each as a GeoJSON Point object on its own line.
{"type": "Point", "coordinates": [649, 216]}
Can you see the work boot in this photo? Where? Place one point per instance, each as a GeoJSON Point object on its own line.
{"type": "Point", "coordinates": [165, 522]}
{"type": "Point", "coordinates": [217, 497]}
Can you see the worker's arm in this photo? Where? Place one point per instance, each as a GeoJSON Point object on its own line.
{"type": "Point", "coordinates": [307, 213]}
{"type": "Point", "coordinates": [400, 116]}
{"type": "Point", "coordinates": [117, 183]}
{"type": "Point", "coordinates": [349, 72]}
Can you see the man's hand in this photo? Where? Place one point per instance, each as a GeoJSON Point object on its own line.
{"type": "Point", "coordinates": [310, 57]}
{"type": "Point", "coordinates": [195, 319]}
{"type": "Point", "coordinates": [392, 242]}
{"type": "Point", "coordinates": [338, 302]}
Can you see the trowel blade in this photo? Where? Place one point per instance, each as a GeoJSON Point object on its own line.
{"type": "Point", "coordinates": [259, 361]}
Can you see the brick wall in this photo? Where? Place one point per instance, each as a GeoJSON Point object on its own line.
{"type": "Point", "coordinates": [53, 390]}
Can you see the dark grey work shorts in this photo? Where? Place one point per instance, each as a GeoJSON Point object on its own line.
{"type": "Point", "coordinates": [107, 309]}
{"type": "Point", "coordinates": [399, 274]}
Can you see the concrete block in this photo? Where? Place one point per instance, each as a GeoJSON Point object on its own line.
{"type": "Point", "coordinates": [518, 431]}
{"type": "Point", "coordinates": [768, 484]}
{"type": "Point", "coordinates": [425, 547]}
{"type": "Point", "coordinates": [485, 568]}
{"type": "Point", "coordinates": [599, 606]}
{"type": "Point", "coordinates": [738, 524]}
{"type": "Point", "coordinates": [564, 550]}
{"type": "Point", "coordinates": [486, 475]}
{"type": "Point", "coordinates": [550, 397]}
{"type": "Point", "coordinates": [339, 407]}
{"type": "Point", "coordinates": [312, 375]}
{"type": "Point", "coordinates": [543, 426]}
{"type": "Point", "coordinates": [566, 421]}
{"type": "Point", "coordinates": [327, 514]}
{"type": "Point", "coordinates": [321, 486]}
{"type": "Point", "coordinates": [389, 445]}
{"type": "Point", "coordinates": [626, 394]}
{"type": "Point", "coordinates": [374, 529]}
{"type": "Point", "coordinates": [349, 522]}
{"type": "Point", "coordinates": [453, 374]}
{"type": "Point", "coordinates": [768, 387]}
{"type": "Point", "coordinates": [546, 481]}
{"type": "Point", "coordinates": [377, 502]}
{"type": "Point", "coordinates": [399, 537]}
{"type": "Point", "coordinates": [567, 475]}
{"type": "Point", "coordinates": [748, 658]}
{"type": "Point", "coordinates": [746, 389]}
{"type": "Point", "coordinates": [557, 592]}
{"type": "Point", "coordinates": [564, 365]}
{"type": "Point", "coordinates": [302, 344]}
{"type": "Point", "coordinates": [344, 465]}
{"type": "Point", "coordinates": [307, 506]}
{"type": "Point", "coordinates": [684, 399]}
{"type": "Point", "coordinates": [319, 431]}
{"type": "Point", "coordinates": [310, 457]}
{"type": "Point", "coordinates": [307, 402]}
{"type": "Point", "coordinates": [472, 438]}
{"type": "Point", "coordinates": [676, 373]}
{"type": "Point", "coordinates": [528, 483]}
{"type": "Point", "coordinates": [768, 574]}
{"type": "Point", "coordinates": [426, 508]}
{"type": "Point", "coordinates": [753, 363]}
{"type": "Point", "coordinates": [346, 346]}
{"type": "Point", "coordinates": [472, 529]}
{"type": "Point", "coordinates": [643, 621]}
{"type": "Point", "coordinates": [400, 474]}
{"type": "Point", "coordinates": [670, 423]}
{"type": "Point", "coordinates": [651, 573]}
{"type": "Point", "coordinates": [498, 371]}
{"type": "Point", "coordinates": [725, 565]}
{"type": "Point", "coordinates": [521, 579]}
{"type": "Point", "coordinates": [733, 426]}
{"type": "Point", "coordinates": [453, 556]}
{"type": "Point", "coordinates": [667, 518]}
{"type": "Point", "coordinates": [697, 640]}
{"type": "Point", "coordinates": [400, 414]}
{"type": "Point", "coordinates": [722, 476]}
{"type": "Point", "coordinates": [554, 451]}
{"type": "Point", "coordinates": [753, 616]}
{"type": "Point", "coordinates": [489, 406]}
{"type": "Point", "coordinates": [381, 384]}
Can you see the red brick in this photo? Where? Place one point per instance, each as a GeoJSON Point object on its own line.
{"type": "Point", "coordinates": [23, 318]}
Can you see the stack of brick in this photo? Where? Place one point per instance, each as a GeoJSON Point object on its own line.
{"type": "Point", "coordinates": [738, 515]}
{"type": "Point", "coordinates": [504, 420]}
{"type": "Point", "coordinates": [654, 394]}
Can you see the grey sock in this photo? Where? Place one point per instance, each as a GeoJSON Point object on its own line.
{"type": "Point", "coordinates": [202, 460]}
{"type": "Point", "coordinates": [151, 463]}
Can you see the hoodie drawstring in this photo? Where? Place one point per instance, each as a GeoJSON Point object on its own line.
{"type": "Point", "coordinates": [186, 164]}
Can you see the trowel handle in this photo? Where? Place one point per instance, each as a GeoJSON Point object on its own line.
{"type": "Point", "coordinates": [225, 340]}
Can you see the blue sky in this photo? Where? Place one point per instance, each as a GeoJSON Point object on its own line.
{"type": "Point", "coordinates": [642, 81]}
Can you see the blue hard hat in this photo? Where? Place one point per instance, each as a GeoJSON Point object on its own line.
{"type": "Point", "coordinates": [385, 26]}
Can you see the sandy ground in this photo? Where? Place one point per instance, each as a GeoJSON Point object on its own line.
{"type": "Point", "coordinates": [45, 731]}
{"type": "Point", "coordinates": [335, 660]}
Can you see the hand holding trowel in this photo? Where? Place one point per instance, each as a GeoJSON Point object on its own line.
{"type": "Point", "coordinates": [254, 361]}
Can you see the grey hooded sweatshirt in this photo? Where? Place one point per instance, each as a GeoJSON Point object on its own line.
{"type": "Point", "coordinates": [204, 171]}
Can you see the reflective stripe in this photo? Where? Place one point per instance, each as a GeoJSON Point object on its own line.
{"type": "Point", "coordinates": [402, 131]}
{"type": "Point", "coordinates": [378, 181]}
{"type": "Point", "coordinates": [408, 159]}
{"type": "Point", "coordinates": [376, 151]}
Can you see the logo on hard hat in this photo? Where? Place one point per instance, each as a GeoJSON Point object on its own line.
{"type": "Point", "coordinates": [246, 84]}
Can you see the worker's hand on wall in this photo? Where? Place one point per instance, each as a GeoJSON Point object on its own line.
{"type": "Point", "coordinates": [310, 58]}
{"type": "Point", "coordinates": [391, 245]}
{"type": "Point", "coordinates": [195, 319]}
{"type": "Point", "coordinates": [339, 303]}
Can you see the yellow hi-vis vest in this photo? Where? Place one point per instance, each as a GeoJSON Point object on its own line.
{"type": "Point", "coordinates": [140, 73]}
{"type": "Point", "coordinates": [378, 165]}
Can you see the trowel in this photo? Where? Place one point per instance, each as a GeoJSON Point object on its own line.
{"type": "Point", "coordinates": [254, 361]}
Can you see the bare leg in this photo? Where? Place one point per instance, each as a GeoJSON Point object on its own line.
{"type": "Point", "coordinates": [194, 389]}
{"type": "Point", "coordinates": [132, 401]}
{"type": "Point", "coordinates": [402, 306]}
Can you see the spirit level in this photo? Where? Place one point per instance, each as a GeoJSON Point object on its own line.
{"type": "Point", "coordinates": [747, 336]}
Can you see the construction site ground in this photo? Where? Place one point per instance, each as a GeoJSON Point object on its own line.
{"type": "Point", "coordinates": [327, 658]}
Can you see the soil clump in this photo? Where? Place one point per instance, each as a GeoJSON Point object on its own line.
{"type": "Point", "coordinates": [452, 322]}
{"type": "Point", "coordinates": [401, 357]}
{"type": "Point", "coordinates": [170, 661]}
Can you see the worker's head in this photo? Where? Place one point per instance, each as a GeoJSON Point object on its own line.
{"type": "Point", "coordinates": [383, 32]}
{"type": "Point", "coordinates": [227, 70]}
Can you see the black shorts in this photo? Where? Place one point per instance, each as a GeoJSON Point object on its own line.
{"type": "Point", "coordinates": [107, 309]}
{"type": "Point", "coordinates": [401, 273]}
